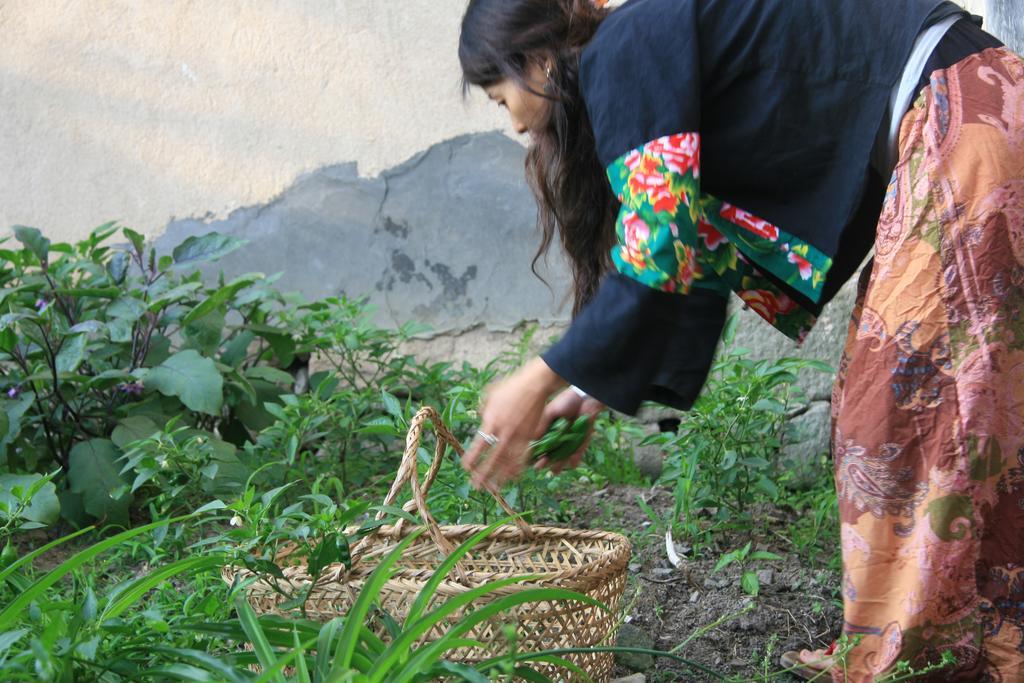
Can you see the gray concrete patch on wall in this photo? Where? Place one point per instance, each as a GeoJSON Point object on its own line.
{"type": "Point", "coordinates": [445, 239]}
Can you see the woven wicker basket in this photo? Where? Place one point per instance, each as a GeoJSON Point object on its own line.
{"type": "Point", "coordinates": [589, 562]}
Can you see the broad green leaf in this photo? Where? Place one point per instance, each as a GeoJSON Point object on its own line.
{"type": "Point", "coordinates": [270, 374]}
{"type": "Point", "coordinates": [8, 320]}
{"type": "Point", "coordinates": [94, 473]}
{"type": "Point", "coordinates": [109, 378]}
{"type": "Point", "coordinates": [750, 584]}
{"type": "Point", "coordinates": [118, 267]}
{"type": "Point", "coordinates": [137, 240]}
{"type": "Point", "coordinates": [33, 241]}
{"type": "Point", "coordinates": [87, 326]}
{"type": "Point", "coordinates": [219, 298]}
{"type": "Point", "coordinates": [725, 560]}
{"type": "Point", "coordinates": [393, 406]}
{"type": "Point", "coordinates": [191, 378]}
{"type": "Point", "coordinates": [44, 508]}
{"type": "Point", "coordinates": [729, 332]}
{"type": "Point", "coordinates": [159, 350]}
{"type": "Point", "coordinates": [120, 330]}
{"type": "Point", "coordinates": [71, 354]}
{"type": "Point", "coordinates": [281, 343]}
{"type": "Point", "coordinates": [5, 430]}
{"type": "Point", "coordinates": [236, 349]}
{"type": "Point", "coordinates": [230, 473]}
{"type": "Point", "coordinates": [10, 638]}
{"type": "Point", "coordinates": [768, 486]}
{"type": "Point", "coordinates": [134, 428]}
{"type": "Point", "coordinates": [8, 339]}
{"type": "Point", "coordinates": [770, 405]}
{"type": "Point", "coordinates": [162, 299]}
{"type": "Point", "coordinates": [764, 555]}
{"type": "Point", "coordinates": [15, 410]}
{"type": "Point", "coordinates": [818, 365]}
{"type": "Point", "coordinates": [127, 309]}
{"type": "Point", "coordinates": [209, 247]}
{"type": "Point", "coordinates": [212, 505]}
{"type": "Point", "coordinates": [204, 334]}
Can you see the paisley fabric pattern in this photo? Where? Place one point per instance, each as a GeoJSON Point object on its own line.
{"type": "Point", "coordinates": [928, 408]}
{"type": "Point", "coordinates": [673, 237]}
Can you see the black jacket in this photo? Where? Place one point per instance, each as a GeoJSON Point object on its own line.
{"type": "Point", "coordinates": [788, 96]}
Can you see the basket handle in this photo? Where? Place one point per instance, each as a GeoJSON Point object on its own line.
{"type": "Point", "coordinates": [407, 471]}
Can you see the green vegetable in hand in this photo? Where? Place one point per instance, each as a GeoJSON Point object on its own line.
{"type": "Point", "coordinates": [562, 439]}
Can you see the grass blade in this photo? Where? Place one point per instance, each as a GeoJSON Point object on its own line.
{"type": "Point", "coordinates": [462, 671]}
{"type": "Point", "coordinates": [297, 655]}
{"type": "Point", "coordinates": [433, 650]}
{"type": "Point", "coordinates": [76, 561]}
{"type": "Point", "coordinates": [325, 646]}
{"type": "Point", "coordinates": [260, 645]}
{"type": "Point", "coordinates": [203, 660]}
{"type": "Point", "coordinates": [401, 646]}
{"type": "Point", "coordinates": [136, 590]}
{"type": "Point", "coordinates": [300, 664]}
{"type": "Point", "coordinates": [356, 616]}
{"type": "Point", "coordinates": [22, 561]}
{"type": "Point", "coordinates": [428, 590]}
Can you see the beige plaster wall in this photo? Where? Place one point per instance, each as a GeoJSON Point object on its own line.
{"type": "Point", "coordinates": [144, 110]}
{"type": "Point", "coordinates": [148, 110]}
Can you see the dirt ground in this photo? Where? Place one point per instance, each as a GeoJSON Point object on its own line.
{"type": "Point", "coordinates": [797, 607]}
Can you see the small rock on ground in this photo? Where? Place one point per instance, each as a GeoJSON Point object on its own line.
{"type": "Point", "coordinates": [633, 678]}
{"type": "Point", "coordinates": [632, 636]}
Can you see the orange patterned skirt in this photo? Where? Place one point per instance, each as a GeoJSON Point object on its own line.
{"type": "Point", "coordinates": [928, 409]}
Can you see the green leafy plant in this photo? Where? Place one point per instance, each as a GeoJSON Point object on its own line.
{"type": "Point", "coordinates": [101, 344]}
{"type": "Point", "coordinates": [610, 456]}
{"type": "Point", "coordinates": [562, 439]}
{"type": "Point", "coordinates": [726, 447]}
{"type": "Point", "coordinates": [27, 501]}
{"type": "Point", "coordinates": [51, 633]}
{"type": "Point", "coordinates": [744, 557]}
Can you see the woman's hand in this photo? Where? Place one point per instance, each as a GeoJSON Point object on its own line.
{"type": "Point", "coordinates": [570, 405]}
{"type": "Point", "coordinates": [512, 412]}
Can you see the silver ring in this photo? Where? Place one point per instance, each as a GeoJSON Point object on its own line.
{"type": "Point", "coordinates": [489, 439]}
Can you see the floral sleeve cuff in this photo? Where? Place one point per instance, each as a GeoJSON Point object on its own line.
{"type": "Point", "coordinates": [673, 237]}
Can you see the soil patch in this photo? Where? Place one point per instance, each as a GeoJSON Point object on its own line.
{"type": "Point", "coordinates": [706, 614]}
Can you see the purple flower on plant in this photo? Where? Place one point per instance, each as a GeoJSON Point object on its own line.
{"type": "Point", "coordinates": [13, 392]}
{"type": "Point", "coordinates": [41, 304]}
{"type": "Point", "coordinates": [132, 388]}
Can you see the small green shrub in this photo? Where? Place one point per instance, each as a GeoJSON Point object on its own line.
{"type": "Point", "coordinates": [101, 345]}
{"type": "Point", "coordinates": [724, 455]}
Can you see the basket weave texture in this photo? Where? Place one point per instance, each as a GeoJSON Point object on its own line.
{"type": "Point", "coordinates": [590, 562]}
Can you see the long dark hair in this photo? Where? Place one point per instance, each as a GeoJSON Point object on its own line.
{"type": "Point", "coordinates": [499, 40]}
